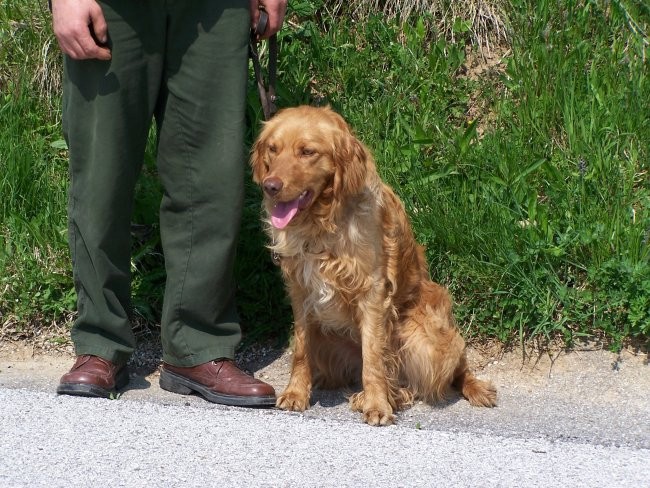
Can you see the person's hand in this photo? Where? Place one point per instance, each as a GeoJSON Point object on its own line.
{"type": "Point", "coordinates": [276, 10]}
{"type": "Point", "coordinates": [80, 28]}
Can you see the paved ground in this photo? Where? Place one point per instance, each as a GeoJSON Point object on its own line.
{"type": "Point", "coordinates": [581, 418]}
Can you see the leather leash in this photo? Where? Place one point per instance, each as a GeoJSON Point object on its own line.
{"type": "Point", "coordinates": [267, 93]}
{"type": "Point", "coordinates": [266, 89]}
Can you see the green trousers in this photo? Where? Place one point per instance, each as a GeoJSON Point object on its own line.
{"type": "Point", "coordinates": [183, 64]}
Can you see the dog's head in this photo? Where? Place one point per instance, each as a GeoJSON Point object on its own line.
{"type": "Point", "coordinates": [307, 160]}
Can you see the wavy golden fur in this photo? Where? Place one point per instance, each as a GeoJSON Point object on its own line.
{"type": "Point", "coordinates": [363, 303]}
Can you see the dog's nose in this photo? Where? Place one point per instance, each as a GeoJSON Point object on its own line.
{"type": "Point", "coordinates": [272, 186]}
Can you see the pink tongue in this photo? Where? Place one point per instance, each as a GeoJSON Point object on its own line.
{"type": "Point", "coordinates": [283, 212]}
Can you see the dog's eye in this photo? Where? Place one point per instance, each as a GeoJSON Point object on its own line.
{"type": "Point", "coordinates": [273, 149]}
{"type": "Point", "coordinates": [306, 151]}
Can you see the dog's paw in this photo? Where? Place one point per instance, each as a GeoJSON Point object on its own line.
{"type": "Point", "coordinates": [374, 413]}
{"type": "Point", "coordinates": [356, 401]}
{"type": "Point", "coordinates": [291, 400]}
{"type": "Point", "coordinates": [376, 416]}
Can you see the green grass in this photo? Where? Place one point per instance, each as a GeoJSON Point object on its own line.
{"type": "Point", "coordinates": [35, 285]}
{"type": "Point", "coordinates": [540, 225]}
{"type": "Point", "coordinates": [527, 183]}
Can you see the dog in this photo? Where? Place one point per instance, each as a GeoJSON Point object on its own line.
{"type": "Point", "coordinates": [363, 303]}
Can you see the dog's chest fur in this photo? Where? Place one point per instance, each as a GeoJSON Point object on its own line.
{"type": "Point", "coordinates": [333, 271]}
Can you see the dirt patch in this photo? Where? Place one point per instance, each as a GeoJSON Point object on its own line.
{"type": "Point", "coordinates": [509, 369]}
{"type": "Point", "coordinates": [485, 67]}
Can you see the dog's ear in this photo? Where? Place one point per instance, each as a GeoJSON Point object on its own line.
{"type": "Point", "coordinates": [351, 159]}
{"type": "Point", "coordinates": [258, 164]}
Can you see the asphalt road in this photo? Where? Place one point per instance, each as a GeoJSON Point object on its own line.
{"type": "Point", "coordinates": [582, 421]}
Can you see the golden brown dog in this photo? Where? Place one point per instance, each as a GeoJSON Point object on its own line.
{"type": "Point", "coordinates": [363, 303]}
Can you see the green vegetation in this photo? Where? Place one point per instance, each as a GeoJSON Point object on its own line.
{"type": "Point", "coordinates": [520, 146]}
{"type": "Point", "coordinates": [35, 286]}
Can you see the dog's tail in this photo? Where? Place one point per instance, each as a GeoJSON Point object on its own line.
{"type": "Point", "coordinates": [478, 392]}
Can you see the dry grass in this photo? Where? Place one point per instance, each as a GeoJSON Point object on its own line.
{"type": "Point", "coordinates": [33, 60]}
{"type": "Point", "coordinates": [487, 20]}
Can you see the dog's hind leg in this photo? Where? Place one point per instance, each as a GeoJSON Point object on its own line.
{"type": "Point", "coordinates": [432, 353]}
{"type": "Point", "coordinates": [430, 367]}
{"type": "Point", "coordinates": [430, 348]}
{"type": "Point", "coordinates": [428, 358]}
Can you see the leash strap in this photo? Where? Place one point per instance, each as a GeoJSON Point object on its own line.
{"type": "Point", "coordinates": [266, 88]}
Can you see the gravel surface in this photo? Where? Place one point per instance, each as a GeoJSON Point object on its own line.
{"type": "Point", "coordinates": [134, 443]}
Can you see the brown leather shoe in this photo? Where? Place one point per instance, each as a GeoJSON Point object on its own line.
{"type": "Point", "coordinates": [219, 381]}
{"type": "Point", "coordinates": [92, 376]}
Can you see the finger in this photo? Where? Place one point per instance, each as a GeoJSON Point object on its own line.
{"type": "Point", "coordinates": [90, 50]}
{"type": "Point", "coordinates": [273, 27]}
{"type": "Point", "coordinates": [98, 24]}
{"type": "Point", "coordinates": [276, 13]}
{"type": "Point", "coordinates": [70, 49]}
{"type": "Point", "coordinates": [255, 14]}
{"type": "Point", "coordinates": [101, 53]}
{"type": "Point", "coordinates": [71, 46]}
{"type": "Point", "coordinates": [262, 24]}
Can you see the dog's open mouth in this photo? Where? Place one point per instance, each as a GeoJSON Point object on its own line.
{"type": "Point", "coordinates": [283, 212]}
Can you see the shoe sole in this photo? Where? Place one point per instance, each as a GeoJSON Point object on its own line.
{"type": "Point", "coordinates": [94, 391]}
{"type": "Point", "coordinates": [179, 384]}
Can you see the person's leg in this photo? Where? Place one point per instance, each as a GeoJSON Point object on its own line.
{"type": "Point", "coordinates": [107, 112]}
{"type": "Point", "coordinates": [201, 165]}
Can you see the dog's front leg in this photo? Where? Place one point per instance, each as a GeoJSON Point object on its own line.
{"type": "Point", "coordinates": [373, 401]}
{"type": "Point", "coordinates": [296, 396]}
